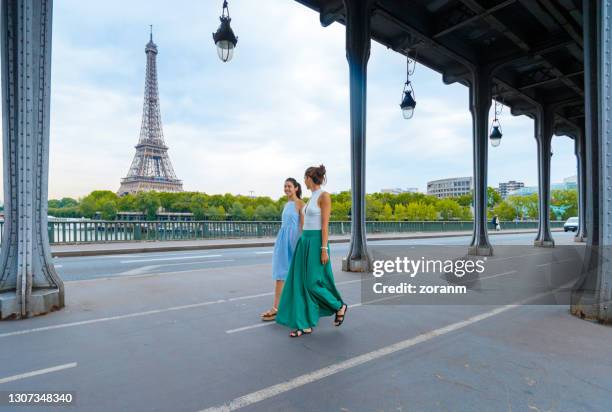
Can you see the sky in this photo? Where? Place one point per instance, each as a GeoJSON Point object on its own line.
{"type": "Point", "coordinates": [281, 105]}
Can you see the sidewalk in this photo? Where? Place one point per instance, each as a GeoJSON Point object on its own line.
{"type": "Point", "coordinates": [116, 248]}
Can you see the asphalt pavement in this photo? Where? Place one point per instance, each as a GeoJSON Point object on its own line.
{"type": "Point", "coordinates": [180, 331]}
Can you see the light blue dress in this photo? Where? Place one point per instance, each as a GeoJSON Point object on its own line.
{"type": "Point", "coordinates": [286, 240]}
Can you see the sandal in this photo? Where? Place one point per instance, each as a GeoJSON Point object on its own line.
{"type": "Point", "coordinates": [340, 318]}
{"type": "Point", "coordinates": [269, 315]}
{"type": "Point", "coordinates": [299, 332]}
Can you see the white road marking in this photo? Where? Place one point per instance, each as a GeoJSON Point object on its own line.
{"type": "Point", "coordinates": [143, 269]}
{"type": "Point", "coordinates": [138, 271]}
{"type": "Point", "coordinates": [499, 274]}
{"type": "Point", "coordinates": [145, 313]}
{"type": "Point", "coordinates": [257, 325]}
{"type": "Point", "coordinates": [556, 262]}
{"type": "Point", "coordinates": [299, 381]}
{"type": "Point", "coordinates": [261, 324]}
{"type": "Point", "coordinates": [514, 257]}
{"type": "Point", "coordinates": [176, 272]}
{"type": "Point", "coordinates": [170, 258]}
{"type": "Point", "coordinates": [264, 253]}
{"type": "Point", "coordinates": [353, 305]}
{"type": "Point", "coordinates": [107, 319]}
{"type": "Point", "coordinates": [37, 372]}
{"type": "Point", "coordinates": [274, 390]}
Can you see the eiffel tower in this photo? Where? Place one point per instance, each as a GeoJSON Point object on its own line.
{"type": "Point", "coordinates": [151, 168]}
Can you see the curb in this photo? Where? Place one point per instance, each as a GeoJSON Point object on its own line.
{"type": "Point", "coordinates": [170, 248]}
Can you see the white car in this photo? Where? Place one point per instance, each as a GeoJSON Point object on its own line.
{"type": "Point", "coordinates": [571, 224]}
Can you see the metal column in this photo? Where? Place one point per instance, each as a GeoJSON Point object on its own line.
{"type": "Point", "coordinates": [544, 128]}
{"type": "Point", "coordinates": [579, 149]}
{"type": "Point", "coordinates": [357, 54]}
{"type": "Point", "coordinates": [29, 284]}
{"type": "Point", "coordinates": [592, 295]}
{"type": "Point", "coordinates": [480, 103]}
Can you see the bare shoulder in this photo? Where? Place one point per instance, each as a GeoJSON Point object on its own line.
{"type": "Point", "coordinates": [299, 204]}
{"type": "Point", "coordinates": [325, 197]}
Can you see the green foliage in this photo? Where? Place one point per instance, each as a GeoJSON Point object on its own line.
{"type": "Point", "coordinates": [493, 197]}
{"type": "Point", "coordinates": [567, 198]}
{"type": "Point", "coordinates": [450, 209]}
{"type": "Point", "coordinates": [505, 211]}
{"type": "Point", "coordinates": [379, 206]}
{"type": "Point", "coordinates": [148, 203]}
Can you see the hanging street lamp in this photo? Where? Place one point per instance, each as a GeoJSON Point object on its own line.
{"type": "Point", "coordinates": [496, 132]}
{"type": "Point", "coordinates": [224, 37]}
{"type": "Point", "coordinates": [408, 102]}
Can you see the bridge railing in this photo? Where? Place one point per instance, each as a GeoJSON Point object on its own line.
{"type": "Point", "coordinates": [100, 231]}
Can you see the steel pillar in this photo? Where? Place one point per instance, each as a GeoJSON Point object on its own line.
{"type": "Point", "coordinates": [544, 129]}
{"type": "Point", "coordinates": [592, 294]}
{"type": "Point", "coordinates": [480, 103]}
{"type": "Point", "coordinates": [357, 53]}
{"type": "Point", "coordinates": [29, 285]}
{"type": "Point", "coordinates": [579, 150]}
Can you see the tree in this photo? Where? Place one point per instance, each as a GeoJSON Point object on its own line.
{"type": "Point", "coordinates": [148, 203]}
{"type": "Point", "coordinates": [505, 211]}
{"type": "Point", "coordinates": [94, 202]}
{"type": "Point", "coordinates": [526, 206]}
{"type": "Point", "coordinates": [108, 211]}
{"type": "Point", "coordinates": [340, 210]}
{"type": "Point", "coordinates": [373, 208]}
{"type": "Point", "coordinates": [567, 199]}
{"type": "Point", "coordinates": [465, 200]}
{"type": "Point", "coordinates": [450, 209]}
{"type": "Point", "coordinates": [493, 197]}
{"type": "Point", "coordinates": [400, 213]}
{"type": "Point", "coordinates": [237, 211]}
{"type": "Point", "coordinates": [387, 213]}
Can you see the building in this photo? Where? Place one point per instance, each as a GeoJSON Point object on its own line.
{"type": "Point", "coordinates": [506, 187]}
{"type": "Point", "coordinates": [529, 190]}
{"type": "Point", "coordinates": [151, 168]}
{"type": "Point", "coordinates": [571, 182]}
{"type": "Point", "coordinates": [451, 187]}
{"type": "Point", "coordinates": [523, 191]}
{"type": "Point", "coordinates": [397, 190]}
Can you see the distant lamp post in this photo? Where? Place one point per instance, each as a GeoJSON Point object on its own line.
{"type": "Point", "coordinates": [224, 37]}
{"type": "Point", "coordinates": [408, 102]}
{"type": "Point", "coordinates": [496, 132]}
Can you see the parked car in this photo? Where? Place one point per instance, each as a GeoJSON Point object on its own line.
{"type": "Point", "coordinates": [571, 224]}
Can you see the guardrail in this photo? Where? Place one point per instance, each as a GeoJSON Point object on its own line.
{"type": "Point", "coordinates": [99, 231]}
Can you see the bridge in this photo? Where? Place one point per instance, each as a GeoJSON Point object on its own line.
{"type": "Point", "coordinates": [177, 331]}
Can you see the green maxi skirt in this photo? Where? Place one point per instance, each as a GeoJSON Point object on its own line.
{"type": "Point", "coordinates": [309, 291]}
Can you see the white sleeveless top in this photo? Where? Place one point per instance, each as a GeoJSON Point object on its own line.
{"type": "Point", "coordinates": [312, 212]}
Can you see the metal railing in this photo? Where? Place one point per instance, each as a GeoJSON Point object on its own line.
{"type": "Point", "coordinates": [99, 231]}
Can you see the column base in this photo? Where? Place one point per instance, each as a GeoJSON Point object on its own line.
{"type": "Point", "coordinates": [592, 312]}
{"type": "Point", "coordinates": [544, 243]}
{"type": "Point", "coordinates": [480, 251]}
{"type": "Point", "coordinates": [356, 265]}
{"type": "Point", "coordinates": [580, 239]}
{"type": "Point", "coordinates": [41, 302]}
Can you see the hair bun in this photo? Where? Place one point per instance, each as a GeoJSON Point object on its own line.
{"type": "Point", "coordinates": [317, 174]}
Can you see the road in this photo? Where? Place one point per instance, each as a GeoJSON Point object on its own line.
{"type": "Point", "coordinates": [93, 267]}
{"type": "Point", "coordinates": [181, 333]}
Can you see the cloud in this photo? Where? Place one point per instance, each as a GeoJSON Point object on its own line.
{"type": "Point", "coordinates": [280, 106]}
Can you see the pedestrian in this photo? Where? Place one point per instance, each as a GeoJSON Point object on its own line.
{"type": "Point", "coordinates": [286, 240]}
{"type": "Point", "coordinates": [310, 291]}
{"type": "Point", "coordinates": [497, 225]}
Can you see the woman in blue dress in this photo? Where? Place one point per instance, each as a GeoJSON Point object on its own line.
{"type": "Point", "coordinates": [291, 227]}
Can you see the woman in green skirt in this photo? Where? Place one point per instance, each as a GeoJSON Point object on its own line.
{"type": "Point", "coordinates": [310, 291]}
